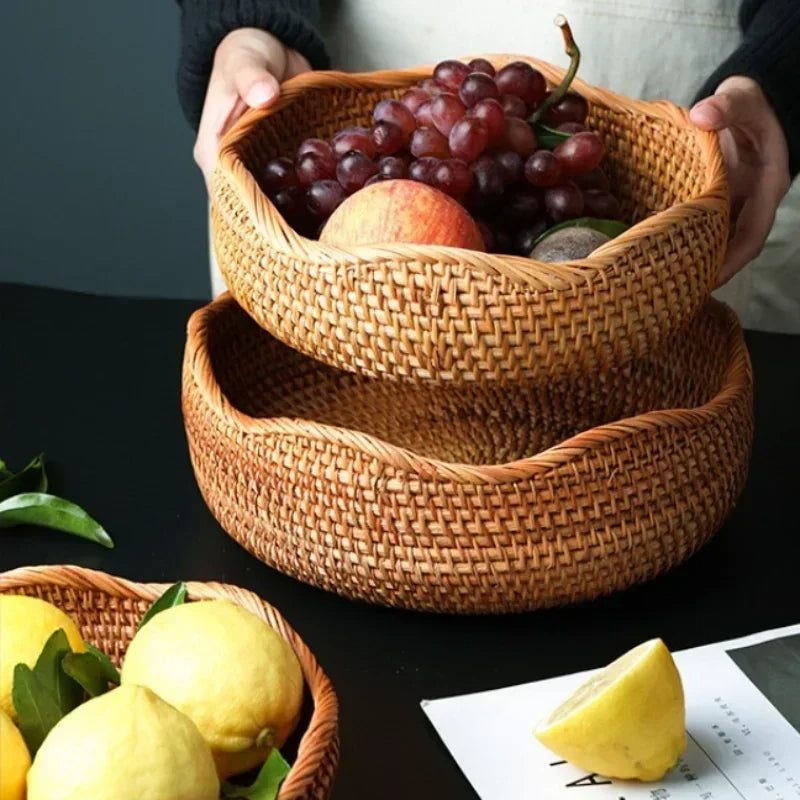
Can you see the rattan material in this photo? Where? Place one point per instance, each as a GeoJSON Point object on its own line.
{"type": "Point", "coordinates": [108, 609]}
{"type": "Point", "coordinates": [467, 498]}
{"type": "Point", "coordinates": [447, 314]}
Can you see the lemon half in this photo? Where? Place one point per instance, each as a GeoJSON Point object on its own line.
{"type": "Point", "coordinates": [628, 721]}
{"type": "Point", "coordinates": [14, 760]}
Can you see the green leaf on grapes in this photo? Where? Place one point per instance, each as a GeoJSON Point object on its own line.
{"type": "Point", "coordinates": [548, 137]}
{"type": "Point", "coordinates": [37, 709]}
{"type": "Point", "coordinates": [64, 691]}
{"type": "Point", "coordinates": [266, 785]}
{"type": "Point", "coordinates": [87, 672]}
{"type": "Point", "coordinates": [30, 479]}
{"type": "Point", "coordinates": [610, 227]}
{"type": "Point", "coordinates": [109, 670]}
{"type": "Point", "coordinates": [174, 596]}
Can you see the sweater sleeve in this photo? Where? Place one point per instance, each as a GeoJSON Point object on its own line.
{"type": "Point", "coordinates": [204, 23]}
{"type": "Point", "coordinates": [770, 55]}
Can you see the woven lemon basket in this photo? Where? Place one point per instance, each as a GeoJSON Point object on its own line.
{"type": "Point", "coordinates": [108, 609]}
{"type": "Point", "coordinates": [437, 313]}
{"type": "Point", "coordinates": [464, 499]}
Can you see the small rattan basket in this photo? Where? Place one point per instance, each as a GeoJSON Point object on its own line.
{"type": "Point", "coordinates": [437, 313]}
{"type": "Point", "coordinates": [467, 498]}
{"type": "Point", "coordinates": [108, 609]}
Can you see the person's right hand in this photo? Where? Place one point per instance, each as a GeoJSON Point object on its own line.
{"type": "Point", "coordinates": [249, 66]}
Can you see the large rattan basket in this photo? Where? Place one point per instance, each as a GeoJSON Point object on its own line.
{"type": "Point", "coordinates": [467, 498]}
{"type": "Point", "coordinates": [436, 313]}
{"type": "Point", "coordinates": [108, 609]}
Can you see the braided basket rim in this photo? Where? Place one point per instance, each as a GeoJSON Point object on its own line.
{"type": "Point", "coordinates": [736, 382]}
{"type": "Point", "coordinates": [531, 274]}
{"type": "Point", "coordinates": [321, 738]}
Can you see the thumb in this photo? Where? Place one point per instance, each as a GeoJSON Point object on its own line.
{"type": "Point", "coordinates": [252, 80]}
{"type": "Point", "coordinates": [731, 105]}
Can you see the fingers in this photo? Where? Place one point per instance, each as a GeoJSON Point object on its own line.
{"type": "Point", "coordinates": [738, 101]}
{"type": "Point", "coordinates": [248, 75]}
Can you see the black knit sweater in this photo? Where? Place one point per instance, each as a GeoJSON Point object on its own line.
{"type": "Point", "coordinates": [769, 52]}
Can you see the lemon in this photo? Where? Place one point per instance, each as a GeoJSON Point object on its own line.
{"type": "Point", "coordinates": [14, 760]}
{"type": "Point", "coordinates": [26, 623]}
{"type": "Point", "coordinates": [127, 744]}
{"type": "Point", "coordinates": [226, 669]}
{"type": "Point", "coordinates": [628, 721]}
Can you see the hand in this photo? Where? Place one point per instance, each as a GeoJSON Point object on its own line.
{"type": "Point", "coordinates": [249, 66]}
{"type": "Point", "coordinates": [757, 160]}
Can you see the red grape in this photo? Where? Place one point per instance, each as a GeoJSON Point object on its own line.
{"type": "Point", "coordinates": [423, 169]}
{"type": "Point", "coordinates": [376, 178]}
{"type": "Point", "coordinates": [314, 167]}
{"type": "Point", "coordinates": [476, 87]}
{"type": "Point", "coordinates": [482, 65]}
{"type": "Point", "coordinates": [543, 169]}
{"type": "Point", "coordinates": [563, 201]}
{"type": "Point", "coordinates": [279, 173]}
{"type": "Point", "coordinates": [525, 238]}
{"type": "Point", "coordinates": [488, 183]}
{"type": "Point", "coordinates": [391, 110]}
{"type": "Point", "coordinates": [387, 137]}
{"type": "Point", "coordinates": [424, 115]}
{"type": "Point", "coordinates": [349, 139]}
{"type": "Point", "coordinates": [486, 233]}
{"type": "Point", "coordinates": [414, 98]}
{"type": "Point", "coordinates": [582, 152]}
{"type": "Point", "coordinates": [491, 112]}
{"type": "Point", "coordinates": [453, 177]}
{"type": "Point", "coordinates": [600, 204]}
{"type": "Point", "coordinates": [322, 197]}
{"type": "Point", "coordinates": [522, 80]}
{"type": "Point", "coordinates": [519, 137]}
{"type": "Point", "coordinates": [392, 167]}
{"type": "Point", "coordinates": [429, 142]}
{"type": "Point", "coordinates": [430, 86]}
{"type": "Point", "coordinates": [446, 110]}
{"type": "Point", "coordinates": [291, 202]}
{"type": "Point", "coordinates": [521, 208]}
{"type": "Point", "coordinates": [318, 146]}
{"type": "Point", "coordinates": [449, 74]}
{"type": "Point", "coordinates": [572, 107]}
{"type": "Point", "coordinates": [354, 170]}
{"type": "Point", "coordinates": [596, 179]}
{"type": "Point", "coordinates": [570, 127]}
{"type": "Point", "coordinates": [511, 165]}
{"type": "Point", "coordinates": [502, 239]}
{"type": "Point", "coordinates": [514, 106]}
{"type": "Point", "coordinates": [468, 138]}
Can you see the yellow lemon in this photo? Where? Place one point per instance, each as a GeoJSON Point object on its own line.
{"type": "Point", "coordinates": [127, 744]}
{"type": "Point", "coordinates": [14, 760]}
{"type": "Point", "coordinates": [628, 721]}
{"type": "Point", "coordinates": [26, 623]}
{"type": "Point", "coordinates": [226, 669]}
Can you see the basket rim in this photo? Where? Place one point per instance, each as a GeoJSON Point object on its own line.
{"type": "Point", "coordinates": [321, 736]}
{"type": "Point", "coordinates": [736, 383]}
{"type": "Point", "coordinates": [532, 274]}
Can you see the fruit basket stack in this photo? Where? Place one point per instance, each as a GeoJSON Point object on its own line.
{"type": "Point", "coordinates": [451, 430]}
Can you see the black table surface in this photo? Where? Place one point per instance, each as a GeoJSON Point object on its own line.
{"type": "Point", "coordinates": [95, 382]}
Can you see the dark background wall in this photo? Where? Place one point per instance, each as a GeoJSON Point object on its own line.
{"type": "Point", "coordinates": [98, 190]}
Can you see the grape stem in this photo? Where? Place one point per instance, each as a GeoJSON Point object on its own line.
{"type": "Point", "coordinates": [574, 54]}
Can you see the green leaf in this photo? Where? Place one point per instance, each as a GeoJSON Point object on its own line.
{"type": "Point", "coordinates": [48, 511]}
{"type": "Point", "coordinates": [174, 596]}
{"type": "Point", "coordinates": [548, 137]}
{"type": "Point", "coordinates": [267, 783]}
{"type": "Point", "coordinates": [87, 672]}
{"type": "Point", "coordinates": [32, 479]}
{"type": "Point", "coordinates": [4, 471]}
{"type": "Point", "coordinates": [610, 227]}
{"type": "Point", "coordinates": [62, 689]}
{"type": "Point", "coordinates": [37, 709]}
{"type": "Point", "coordinates": [109, 670]}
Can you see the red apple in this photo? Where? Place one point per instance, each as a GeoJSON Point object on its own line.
{"type": "Point", "coordinates": [401, 211]}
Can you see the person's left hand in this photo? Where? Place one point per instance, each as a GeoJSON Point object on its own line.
{"type": "Point", "coordinates": [757, 159]}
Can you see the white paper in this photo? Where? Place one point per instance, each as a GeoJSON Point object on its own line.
{"type": "Point", "coordinates": [743, 725]}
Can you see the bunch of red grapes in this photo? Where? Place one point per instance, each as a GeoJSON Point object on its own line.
{"type": "Point", "coordinates": [464, 131]}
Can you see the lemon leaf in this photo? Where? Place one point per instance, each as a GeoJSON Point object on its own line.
{"type": "Point", "coordinates": [31, 479]}
{"type": "Point", "coordinates": [62, 688]}
{"type": "Point", "coordinates": [109, 670]}
{"type": "Point", "coordinates": [37, 709]}
{"type": "Point", "coordinates": [174, 596]}
{"type": "Point", "coordinates": [266, 785]}
{"type": "Point", "coordinates": [86, 671]}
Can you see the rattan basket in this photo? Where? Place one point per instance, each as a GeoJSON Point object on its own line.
{"type": "Point", "coordinates": [467, 498]}
{"type": "Point", "coordinates": [108, 609]}
{"type": "Point", "coordinates": [436, 313]}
